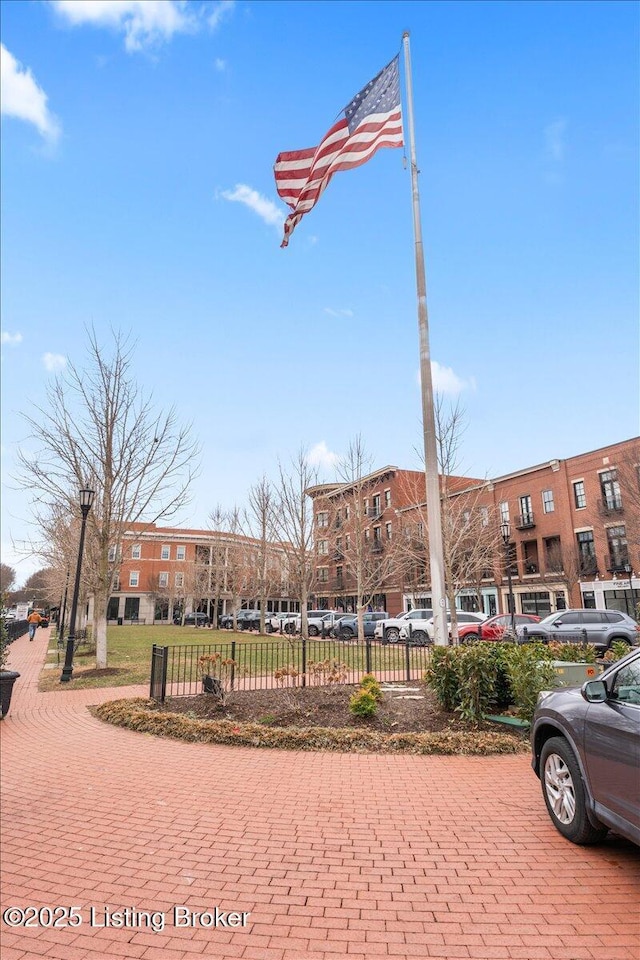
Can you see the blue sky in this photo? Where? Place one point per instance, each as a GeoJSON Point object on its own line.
{"type": "Point", "coordinates": [138, 146]}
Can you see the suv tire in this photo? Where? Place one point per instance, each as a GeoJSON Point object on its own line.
{"type": "Point", "coordinates": [564, 793]}
{"type": "Point", "coordinates": [313, 631]}
{"type": "Point", "coordinates": [392, 635]}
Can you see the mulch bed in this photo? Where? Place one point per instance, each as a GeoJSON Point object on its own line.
{"type": "Point", "coordinates": [409, 708]}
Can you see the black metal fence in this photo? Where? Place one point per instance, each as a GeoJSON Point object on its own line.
{"type": "Point", "coordinates": [16, 628]}
{"type": "Point", "coordinates": [178, 671]}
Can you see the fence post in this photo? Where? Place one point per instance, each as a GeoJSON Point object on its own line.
{"type": "Point", "coordinates": [407, 658]}
{"type": "Point", "coordinates": [304, 661]}
{"type": "Point", "coordinates": [159, 663]}
{"type": "Point", "coordinates": [233, 666]}
{"type": "Point", "coordinates": [368, 654]}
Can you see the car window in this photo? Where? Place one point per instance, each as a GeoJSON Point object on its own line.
{"type": "Point", "coordinates": [592, 616]}
{"type": "Point", "coordinates": [568, 618]}
{"type": "Point", "coordinates": [612, 617]}
{"type": "Point", "coordinates": [626, 686]}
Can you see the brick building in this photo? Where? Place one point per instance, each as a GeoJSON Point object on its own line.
{"type": "Point", "coordinates": [573, 535]}
{"type": "Point", "coordinates": [164, 570]}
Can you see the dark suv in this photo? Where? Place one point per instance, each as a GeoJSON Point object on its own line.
{"type": "Point", "coordinates": [586, 751]}
{"type": "Point", "coordinates": [347, 627]}
{"type": "Point", "coordinates": [192, 620]}
{"type": "Point", "coordinates": [599, 627]}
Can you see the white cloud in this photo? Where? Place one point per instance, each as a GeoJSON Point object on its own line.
{"type": "Point", "coordinates": [220, 11]}
{"type": "Point", "coordinates": [321, 456]}
{"type": "Point", "coordinates": [554, 140]}
{"type": "Point", "coordinates": [446, 381]}
{"type": "Point", "coordinates": [144, 22]}
{"type": "Point", "coordinates": [220, 64]}
{"type": "Point", "coordinates": [342, 312]}
{"type": "Point", "coordinates": [12, 339]}
{"type": "Point", "coordinates": [266, 209]}
{"type": "Point", "coordinates": [21, 96]}
{"type": "Point", "coordinates": [54, 362]}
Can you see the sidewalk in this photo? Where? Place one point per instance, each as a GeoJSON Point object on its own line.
{"type": "Point", "coordinates": [352, 856]}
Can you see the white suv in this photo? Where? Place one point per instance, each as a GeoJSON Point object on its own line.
{"type": "Point", "coordinates": [425, 632]}
{"type": "Point", "coordinates": [389, 630]}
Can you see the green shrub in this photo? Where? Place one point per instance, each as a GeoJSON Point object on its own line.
{"type": "Point", "coordinates": [363, 704]}
{"type": "Point", "coordinates": [371, 685]}
{"type": "Point", "coordinates": [442, 676]}
{"type": "Point", "coordinates": [573, 652]}
{"type": "Point", "coordinates": [616, 651]}
{"type": "Point", "coordinates": [477, 672]}
{"type": "Point", "coordinates": [528, 674]}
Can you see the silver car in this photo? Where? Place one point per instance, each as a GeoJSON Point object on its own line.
{"type": "Point", "coordinates": [586, 751]}
{"type": "Point", "coordinates": [598, 627]}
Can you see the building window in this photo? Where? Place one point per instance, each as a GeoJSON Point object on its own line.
{"type": "Point", "coordinates": [179, 580]}
{"type": "Point", "coordinates": [165, 553]}
{"type": "Point", "coordinates": [347, 512]}
{"type": "Point", "coordinates": [548, 505]}
{"type": "Point", "coordinates": [387, 498]}
{"type": "Point", "coordinates": [618, 549]}
{"type": "Point", "coordinates": [323, 518]}
{"type": "Point", "coordinates": [586, 553]}
{"type": "Point", "coordinates": [579, 496]}
{"type": "Point", "coordinates": [323, 547]}
{"type": "Point", "coordinates": [538, 604]}
{"type": "Point", "coordinates": [136, 551]}
{"type": "Point", "coordinates": [376, 505]}
{"type": "Point", "coordinates": [323, 574]}
{"type": "Point", "coordinates": [163, 579]}
{"type": "Point", "coordinates": [347, 541]}
{"type": "Point", "coordinates": [377, 534]}
{"type": "Point", "coordinates": [561, 600]}
{"type": "Point", "coordinates": [504, 512]}
{"type": "Point", "coordinates": [115, 553]}
{"type": "Point", "coordinates": [116, 588]}
{"type": "Point", "coordinates": [134, 577]}
{"type": "Point", "coordinates": [387, 528]}
{"type": "Point", "coordinates": [484, 516]}
{"type": "Point", "coordinates": [180, 553]}
{"type": "Point", "coordinates": [526, 511]}
{"type": "Point", "coordinates": [365, 503]}
{"type": "Point", "coordinates": [610, 490]}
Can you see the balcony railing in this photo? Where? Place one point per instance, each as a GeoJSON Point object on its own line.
{"type": "Point", "coordinates": [618, 562]}
{"type": "Point", "coordinates": [525, 521]}
{"type": "Point", "coordinates": [338, 555]}
{"type": "Point", "coordinates": [377, 546]}
{"type": "Point", "coordinates": [609, 506]}
{"type": "Point", "coordinates": [531, 567]}
{"type": "Point", "coordinates": [588, 566]}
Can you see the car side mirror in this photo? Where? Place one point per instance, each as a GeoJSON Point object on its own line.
{"type": "Point", "coordinates": [558, 623]}
{"type": "Point", "coordinates": [595, 691]}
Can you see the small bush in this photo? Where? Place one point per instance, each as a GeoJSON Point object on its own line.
{"type": "Point", "coordinates": [371, 685]}
{"type": "Point", "coordinates": [363, 704]}
{"type": "Point", "coordinates": [477, 672]}
{"type": "Point", "coordinates": [616, 651]}
{"type": "Point", "coordinates": [442, 676]}
{"type": "Point", "coordinates": [325, 672]}
{"type": "Point", "coordinates": [528, 674]}
{"type": "Point", "coordinates": [573, 652]}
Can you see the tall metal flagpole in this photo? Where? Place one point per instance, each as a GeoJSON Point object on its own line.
{"type": "Point", "coordinates": [434, 518]}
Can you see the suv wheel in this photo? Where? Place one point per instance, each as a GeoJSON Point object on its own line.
{"type": "Point", "coordinates": [392, 635]}
{"type": "Point", "coordinates": [313, 631]}
{"type": "Point", "coordinates": [564, 793]}
{"type": "Point", "coordinates": [346, 633]}
{"type": "Point", "coordinates": [419, 637]}
{"type": "Point", "coordinates": [470, 638]}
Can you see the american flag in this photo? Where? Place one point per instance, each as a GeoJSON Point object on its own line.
{"type": "Point", "coordinates": [372, 120]}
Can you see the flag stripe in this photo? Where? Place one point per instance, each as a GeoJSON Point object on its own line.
{"type": "Point", "coordinates": [302, 175]}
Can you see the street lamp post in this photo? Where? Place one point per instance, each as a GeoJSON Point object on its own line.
{"type": "Point", "coordinates": [506, 536]}
{"type": "Point", "coordinates": [628, 569]}
{"type": "Point", "coordinates": [86, 500]}
{"type": "Point", "coordinates": [63, 610]}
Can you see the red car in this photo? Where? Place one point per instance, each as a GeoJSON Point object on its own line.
{"type": "Point", "coordinates": [494, 627]}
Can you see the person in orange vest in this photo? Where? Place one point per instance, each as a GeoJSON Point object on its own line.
{"type": "Point", "coordinates": [33, 620]}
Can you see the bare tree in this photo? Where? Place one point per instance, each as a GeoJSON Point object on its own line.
{"type": "Point", "coordinates": [295, 525]}
{"type": "Point", "coordinates": [262, 521]}
{"type": "Point", "coordinates": [97, 429]}
{"type": "Point", "coordinates": [371, 559]}
{"type": "Point", "coordinates": [7, 578]}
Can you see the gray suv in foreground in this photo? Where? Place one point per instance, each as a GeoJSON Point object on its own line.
{"type": "Point", "coordinates": [599, 627]}
{"type": "Point", "coordinates": [586, 751]}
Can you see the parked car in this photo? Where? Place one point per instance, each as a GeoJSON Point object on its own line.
{"type": "Point", "coordinates": [599, 627]}
{"type": "Point", "coordinates": [494, 628]}
{"type": "Point", "coordinates": [347, 626]}
{"type": "Point", "coordinates": [389, 630]}
{"type": "Point", "coordinates": [314, 622]}
{"type": "Point", "coordinates": [425, 632]}
{"type": "Point", "coordinates": [586, 752]}
{"type": "Point", "coordinates": [44, 618]}
{"type": "Point", "coordinates": [192, 620]}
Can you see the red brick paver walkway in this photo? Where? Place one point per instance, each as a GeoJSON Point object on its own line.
{"type": "Point", "coordinates": [351, 856]}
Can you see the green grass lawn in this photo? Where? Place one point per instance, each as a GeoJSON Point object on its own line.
{"type": "Point", "coordinates": [130, 655]}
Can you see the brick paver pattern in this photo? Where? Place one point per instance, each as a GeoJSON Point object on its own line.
{"type": "Point", "coordinates": [333, 855]}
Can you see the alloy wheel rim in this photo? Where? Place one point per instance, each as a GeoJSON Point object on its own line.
{"type": "Point", "coordinates": [560, 789]}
